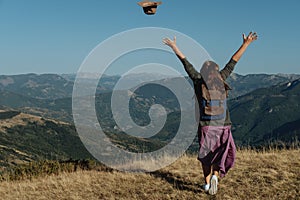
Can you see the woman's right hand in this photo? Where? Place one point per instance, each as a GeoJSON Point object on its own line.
{"type": "Point", "coordinates": [172, 44]}
{"type": "Point", "coordinates": [169, 42]}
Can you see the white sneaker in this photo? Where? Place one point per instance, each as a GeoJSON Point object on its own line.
{"type": "Point", "coordinates": [213, 185]}
{"type": "Point", "coordinates": [206, 187]}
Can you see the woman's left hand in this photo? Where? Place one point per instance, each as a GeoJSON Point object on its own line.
{"type": "Point", "coordinates": [250, 38]}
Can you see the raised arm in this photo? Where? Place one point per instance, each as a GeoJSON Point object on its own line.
{"type": "Point", "coordinates": [227, 70]}
{"type": "Point", "coordinates": [246, 42]}
{"type": "Point", "coordinates": [172, 44]}
{"type": "Point", "coordinates": [189, 68]}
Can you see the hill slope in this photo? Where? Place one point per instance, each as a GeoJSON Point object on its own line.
{"type": "Point", "coordinates": [25, 137]}
{"type": "Point", "coordinates": [272, 175]}
{"type": "Point", "coordinates": [267, 114]}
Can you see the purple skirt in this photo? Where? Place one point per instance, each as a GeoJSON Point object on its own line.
{"type": "Point", "coordinates": [217, 147]}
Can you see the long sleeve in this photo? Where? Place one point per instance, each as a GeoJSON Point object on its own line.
{"type": "Point", "coordinates": [189, 68]}
{"type": "Point", "coordinates": [227, 70]}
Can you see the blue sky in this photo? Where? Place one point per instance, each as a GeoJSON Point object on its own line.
{"type": "Point", "coordinates": [55, 36]}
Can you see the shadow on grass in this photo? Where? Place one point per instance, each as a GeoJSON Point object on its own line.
{"type": "Point", "coordinates": [180, 184]}
{"type": "Point", "coordinates": [177, 181]}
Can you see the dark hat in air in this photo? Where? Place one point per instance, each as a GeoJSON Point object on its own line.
{"type": "Point", "coordinates": [149, 7]}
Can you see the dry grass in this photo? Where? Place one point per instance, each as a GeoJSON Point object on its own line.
{"type": "Point", "coordinates": [267, 175]}
{"type": "Point", "coordinates": [23, 119]}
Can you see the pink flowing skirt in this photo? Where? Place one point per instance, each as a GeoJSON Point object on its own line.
{"type": "Point", "coordinates": [217, 147]}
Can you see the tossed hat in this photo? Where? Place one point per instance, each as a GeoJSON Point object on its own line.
{"type": "Point", "coordinates": [149, 7]}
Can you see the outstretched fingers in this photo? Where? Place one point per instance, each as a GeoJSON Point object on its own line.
{"type": "Point", "coordinates": [254, 36]}
{"type": "Point", "coordinates": [169, 42]}
{"type": "Point", "coordinates": [166, 40]}
{"type": "Point", "coordinates": [250, 37]}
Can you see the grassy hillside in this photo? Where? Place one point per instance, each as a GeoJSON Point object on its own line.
{"type": "Point", "coordinates": [256, 175]}
{"type": "Point", "coordinates": [25, 137]}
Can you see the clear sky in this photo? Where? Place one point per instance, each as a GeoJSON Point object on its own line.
{"type": "Point", "coordinates": [55, 36]}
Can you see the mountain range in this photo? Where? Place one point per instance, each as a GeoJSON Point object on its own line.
{"type": "Point", "coordinates": [36, 114]}
{"type": "Point", "coordinates": [267, 114]}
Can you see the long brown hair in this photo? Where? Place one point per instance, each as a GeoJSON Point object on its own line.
{"type": "Point", "coordinates": [212, 77]}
